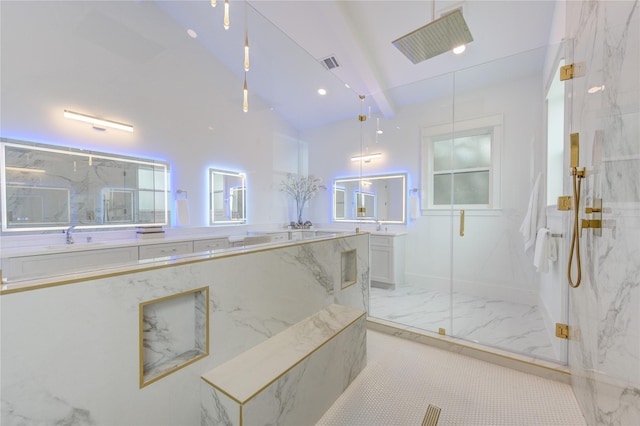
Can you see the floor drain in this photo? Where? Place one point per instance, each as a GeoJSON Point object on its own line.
{"type": "Point", "coordinates": [431, 416]}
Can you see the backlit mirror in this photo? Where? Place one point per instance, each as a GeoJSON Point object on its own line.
{"type": "Point", "coordinates": [227, 197]}
{"type": "Point", "coordinates": [48, 187]}
{"type": "Point", "coordinates": [379, 198]}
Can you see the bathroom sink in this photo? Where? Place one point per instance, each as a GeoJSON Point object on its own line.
{"type": "Point", "coordinates": [78, 246]}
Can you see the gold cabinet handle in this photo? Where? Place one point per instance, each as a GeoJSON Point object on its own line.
{"type": "Point", "coordinates": [462, 223]}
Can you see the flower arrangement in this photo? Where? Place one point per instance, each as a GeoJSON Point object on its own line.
{"type": "Point", "coordinates": [301, 189]}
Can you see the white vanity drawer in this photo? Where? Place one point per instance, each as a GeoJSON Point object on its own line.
{"type": "Point", "coordinates": [213, 244]}
{"type": "Point", "coordinates": [381, 240]}
{"type": "Point", "coordinates": [43, 265]}
{"type": "Point", "coordinates": [280, 236]}
{"type": "Point", "coordinates": [166, 249]}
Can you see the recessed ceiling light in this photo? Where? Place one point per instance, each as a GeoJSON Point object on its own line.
{"type": "Point", "coordinates": [458, 50]}
{"type": "Point", "coordinates": [347, 86]}
{"type": "Point", "coordinates": [192, 33]}
{"type": "Point", "coordinates": [322, 92]}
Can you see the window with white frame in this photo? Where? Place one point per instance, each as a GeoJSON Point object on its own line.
{"type": "Point", "coordinates": [461, 164]}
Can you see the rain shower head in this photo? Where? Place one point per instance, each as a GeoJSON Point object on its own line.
{"type": "Point", "coordinates": [435, 38]}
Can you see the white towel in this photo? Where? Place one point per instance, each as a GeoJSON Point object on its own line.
{"type": "Point", "coordinates": [182, 212]}
{"type": "Point", "coordinates": [414, 206]}
{"type": "Point", "coordinates": [546, 250]}
{"type": "Point", "coordinates": [533, 220]}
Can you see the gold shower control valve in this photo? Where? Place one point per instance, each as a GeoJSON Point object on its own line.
{"type": "Point", "coordinates": [595, 222]}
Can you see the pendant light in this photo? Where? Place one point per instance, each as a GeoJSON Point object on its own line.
{"type": "Point", "coordinates": [213, 3]}
{"type": "Point", "coordinates": [245, 100]}
{"type": "Point", "coordinates": [226, 14]}
{"type": "Point", "coordinates": [246, 51]}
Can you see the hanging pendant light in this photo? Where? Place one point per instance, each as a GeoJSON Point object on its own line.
{"type": "Point", "coordinates": [213, 3]}
{"type": "Point", "coordinates": [245, 100]}
{"type": "Point", "coordinates": [246, 51]}
{"type": "Point", "coordinates": [226, 14]}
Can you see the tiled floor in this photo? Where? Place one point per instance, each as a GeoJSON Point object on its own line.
{"type": "Point", "coordinates": [506, 325]}
{"type": "Point", "coordinates": [403, 377]}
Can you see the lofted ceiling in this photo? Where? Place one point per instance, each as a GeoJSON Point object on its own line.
{"type": "Point", "coordinates": [358, 34]}
{"type": "Point", "coordinates": [288, 40]}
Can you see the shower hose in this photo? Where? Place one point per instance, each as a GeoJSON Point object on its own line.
{"type": "Point", "coordinates": [575, 237]}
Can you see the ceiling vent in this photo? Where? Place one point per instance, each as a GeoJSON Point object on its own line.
{"type": "Point", "coordinates": [330, 62]}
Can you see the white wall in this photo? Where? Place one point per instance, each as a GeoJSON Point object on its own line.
{"type": "Point", "coordinates": [191, 117]}
{"type": "Point", "coordinates": [492, 251]}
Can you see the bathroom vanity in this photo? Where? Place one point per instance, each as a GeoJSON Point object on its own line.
{"type": "Point", "coordinates": [387, 259]}
{"type": "Point", "coordinates": [54, 259]}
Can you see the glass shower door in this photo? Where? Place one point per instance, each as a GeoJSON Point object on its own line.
{"type": "Point", "coordinates": [497, 195]}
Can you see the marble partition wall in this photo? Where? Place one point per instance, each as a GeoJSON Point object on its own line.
{"type": "Point", "coordinates": [604, 352]}
{"type": "Point", "coordinates": [70, 353]}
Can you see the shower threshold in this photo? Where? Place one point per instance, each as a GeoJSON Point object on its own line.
{"type": "Point", "coordinates": [519, 362]}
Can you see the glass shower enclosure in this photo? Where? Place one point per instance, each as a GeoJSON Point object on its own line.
{"type": "Point", "coordinates": [472, 268]}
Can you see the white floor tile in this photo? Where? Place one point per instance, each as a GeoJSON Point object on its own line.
{"type": "Point", "coordinates": [402, 378]}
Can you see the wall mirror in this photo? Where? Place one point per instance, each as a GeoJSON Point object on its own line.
{"type": "Point", "coordinates": [381, 198]}
{"type": "Point", "coordinates": [49, 187]}
{"type": "Point", "coordinates": [227, 193]}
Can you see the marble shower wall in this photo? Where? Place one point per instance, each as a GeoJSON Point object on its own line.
{"type": "Point", "coordinates": [604, 355]}
{"type": "Point", "coordinates": [70, 354]}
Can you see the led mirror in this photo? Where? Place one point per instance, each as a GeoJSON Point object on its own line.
{"type": "Point", "coordinates": [370, 198]}
{"type": "Point", "coordinates": [49, 187]}
{"type": "Point", "coordinates": [227, 192]}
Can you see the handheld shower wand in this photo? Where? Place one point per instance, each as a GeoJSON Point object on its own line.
{"type": "Point", "coordinates": [576, 175]}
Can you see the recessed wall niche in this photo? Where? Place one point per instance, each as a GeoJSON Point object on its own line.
{"type": "Point", "coordinates": [348, 268]}
{"type": "Point", "coordinates": [174, 332]}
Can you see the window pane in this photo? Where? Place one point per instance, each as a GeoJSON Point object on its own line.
{"type": "Point", "coordinates": [442, 155]}
{"type": "Point", "coordinates": [471, 188]}
{"type": "Point", "coordinates": [442, 189]}
{"type": "Point", "coordinates": [145, 178]}
{"type": "Point", "coordinates": [472, 151]}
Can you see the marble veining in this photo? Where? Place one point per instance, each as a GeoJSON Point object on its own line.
{"type": "Point", "coordinates": [247, 373]}
{"type": "Point", "coordinates": [605, 355]}
{"type": "Point", "coordinates": [306, 388]}
{"type": "Point", "coordinates": [507, 325]}
{"type": "Point", "coordinates": [95, 344]}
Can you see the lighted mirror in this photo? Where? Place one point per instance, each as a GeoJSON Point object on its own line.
{"type": "Point", "coordinates": [48, 187]}
{"type": "Point", "coordinates": [339, 204]}
{"type": "Point", "coordinates": [381, 198]}
{"type": "Point", "coordinates": [227, 192]}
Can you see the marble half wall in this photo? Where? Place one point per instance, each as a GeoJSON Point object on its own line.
{"type": "Point", "coordinates": [70, 353]}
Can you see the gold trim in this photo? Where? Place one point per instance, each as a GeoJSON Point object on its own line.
{"type": "Point", "coordinates": [342, 281]}
{"type": "Point", "coordinates": [188, 259]}
{"type": "Point", "coordinates": [446, 340]}
{"type": "Point", "coordinates": [141, 307]}
{"type": "Point", "coordinates": [292, 366]}
{"type": "Point", "coordinates": [224, 392]}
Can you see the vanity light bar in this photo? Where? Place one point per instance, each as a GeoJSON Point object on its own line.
{"type": "Point", "coordinates": [98, 122]}
{"type": "Point", "coordinates": [367, 157]}
{"type": "Point", "coordinates": [24, 169]}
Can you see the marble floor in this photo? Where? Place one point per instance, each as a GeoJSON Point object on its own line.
{"type": "Point", "coordinates": [515, 327]}
{"type": "Point", "coordinates": [403, 377]}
